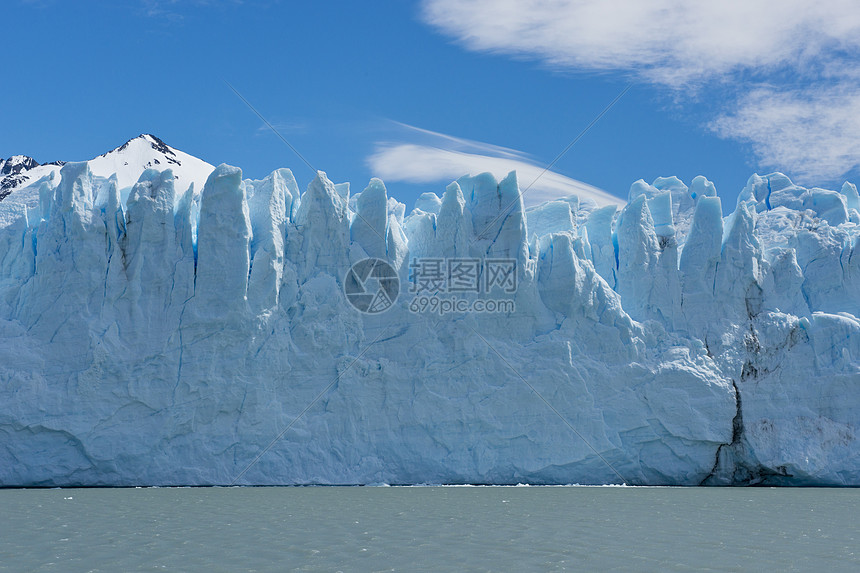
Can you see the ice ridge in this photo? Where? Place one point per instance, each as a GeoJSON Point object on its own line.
{"type": "Point", "coordinates": [170, 336]}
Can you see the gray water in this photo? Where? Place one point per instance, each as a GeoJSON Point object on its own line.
{"type": "Point", "coordinates": [429, 529]}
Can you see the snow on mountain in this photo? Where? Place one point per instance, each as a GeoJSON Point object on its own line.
{"type": "Point", "coordinates": [240, 336]}
{"type": "Point", "coordinates": [19, 188]}
{"type": "Point", "coordinates": [13, 172]}
{"type": "Point", "coordinates": [16, 164]}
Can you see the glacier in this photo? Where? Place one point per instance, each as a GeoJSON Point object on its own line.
{"type": "Point", "coordinates": [156, 334]}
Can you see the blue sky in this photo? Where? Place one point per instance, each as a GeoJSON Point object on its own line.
{"type": "Point", "coordinates": [415, 91]}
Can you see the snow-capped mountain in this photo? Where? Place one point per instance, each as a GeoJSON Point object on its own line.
{"type": "Point", "coordinates": [20, 175]}
{"type": "Point", "coordinates": [242, 336]}
{"type": "Point", "coordinates": [13, 172]}
{"type": "Point", "coordinates": [16, 164]}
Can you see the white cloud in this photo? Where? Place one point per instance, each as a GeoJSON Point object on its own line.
{"type": "Point", "coordinates": [747, 47]}
{"type": "Point", "coordinates": [440, 158]}
{"type": "Point", "coordinates": [816, 132]}
{"type": "Point", "coordinates": [673, 42]}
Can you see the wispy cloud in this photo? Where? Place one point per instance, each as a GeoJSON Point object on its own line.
{"type": "Point", "coordinates": [39, 4]}
{"type": "Point", "coordinates": [423, 156]}
{"type": "Point", "coordinates": [744, 46]}
{"type": "Point", "coordinates": [162, 9]}
{"type": "Point", "coordinates": [815, 131]}
{"type": "Point", "coordinates": [172, 9]}
{"type": "Point", "coordinates": [295, 126]}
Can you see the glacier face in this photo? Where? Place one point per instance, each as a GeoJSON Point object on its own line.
{"type": "Point", "coordinates": [164, 335]}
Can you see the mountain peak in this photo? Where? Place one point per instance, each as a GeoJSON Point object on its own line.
{"type": "Point", "coordinates": [12, 172]}
{"type": "Point", "coordinates": [127, 162]}
{"type": "Point", "coordinates": [16, 164]}
{"type": "Point", "coordinates": [145, 138]}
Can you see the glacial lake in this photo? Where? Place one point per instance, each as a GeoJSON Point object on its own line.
{"type": "Point", "coordinates": [430, 529]}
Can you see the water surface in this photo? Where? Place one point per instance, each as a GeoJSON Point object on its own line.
{"type": "Point", "coordinates": [429, 529]}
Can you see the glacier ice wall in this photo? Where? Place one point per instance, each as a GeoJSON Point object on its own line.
{"type": "Point", "coordinates": [204, 337]}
